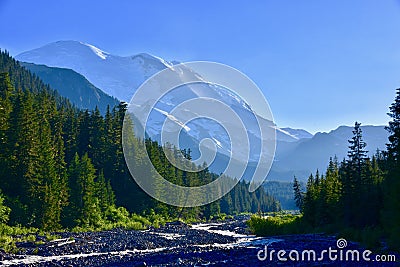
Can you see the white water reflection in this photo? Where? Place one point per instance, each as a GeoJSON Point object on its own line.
{"type": "Point", "coordinates": [241, 240]}
{"type": "Point", "coordinates": [249, 241]}
{"type": "Point", "coordinates": [32, 259]}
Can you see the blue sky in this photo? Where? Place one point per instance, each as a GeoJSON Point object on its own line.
{"type": "Point", "coordinates": [320, 64]}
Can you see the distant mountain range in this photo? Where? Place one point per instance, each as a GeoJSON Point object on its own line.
{"type": "Point", "coordinates": [121, 76]}
{"type": "Point", "coordinates": [73, 86]}
{"type": "Point", "coordinates": [307, 155]}
{"type": "Point", "coordinates": [297, 134]}
{"type": "Point", "coordinates": [298, 151]}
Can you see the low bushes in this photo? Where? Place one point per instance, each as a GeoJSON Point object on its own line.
{"type": "Point", "coordinates": [279, 224]}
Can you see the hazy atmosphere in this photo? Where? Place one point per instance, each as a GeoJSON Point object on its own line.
{"type": "Point", "coordinates": [200, 133]}
{"type": "Point", "coordinates": [320, 64]}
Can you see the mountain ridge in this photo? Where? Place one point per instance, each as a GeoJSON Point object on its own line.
{"type": "Point", "coordinates": [295, 147]}
{"type": "Point", "coordinates": [74, 86]}
{"type": "Point", "coordinates": [121, 76]}
{"type": "Point", "coordinates": [129, 73]}
{"type": "Point", "coordinates": [307, 155]}
{"type": "Point", "coordinates": [116, 75]}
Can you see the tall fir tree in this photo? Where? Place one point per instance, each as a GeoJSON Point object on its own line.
{"type": "Point", "coordinates": [23, 140]}
{"type": "Point", "coordinates": [6, 90]}
{"type": "Point", "coordinates": [298, 194]}
{"type": "Point", "coordinates": [391, 212]}
{"type": "Point", "coordinates": [353, 183]}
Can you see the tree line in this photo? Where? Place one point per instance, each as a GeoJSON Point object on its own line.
{"type": "Point", "coordinates": [63, 167]}
{"type": "Point", "coordinates": [360, 192]}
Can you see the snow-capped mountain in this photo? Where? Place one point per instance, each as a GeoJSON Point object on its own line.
{"type": "Point", "coordinates": [115, 75]}
{"type": "Point", "coordinates": [118, 76]}
{"type": "Point", "coordinates": [121, 76]}
{"type": "Point", "coordinates": [298, 152]}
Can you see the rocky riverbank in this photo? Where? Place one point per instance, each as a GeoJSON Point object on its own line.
{"type": "Point", "coordinates": [177, 244]}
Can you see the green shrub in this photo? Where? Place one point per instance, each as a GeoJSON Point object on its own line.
{"type": "Point", "coordinates": [132, 225]}
{"type": "Point", "coordinates": [219, 217]}
{"type": "Point", "coordinates": [9, 235]}
{"type": "Point", "coordinates": [4, 211]}
{"type": "Point", "coordinates": [114, 214]}
{"type": "Point", "coordinates": [7, 243]}
{"type": "Point", "coordinates": [137, 218]}
{"type": "Point", "coordinates": [276, 225]}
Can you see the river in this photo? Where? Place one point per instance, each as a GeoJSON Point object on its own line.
{"type": "Point", "coordinates": [176, 244]}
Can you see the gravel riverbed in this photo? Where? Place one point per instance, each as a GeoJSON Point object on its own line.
{"type": "Point", "coordinates": [177, 244]}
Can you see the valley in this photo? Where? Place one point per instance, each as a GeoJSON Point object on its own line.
{"type": "Point", "coordinates": [298, 152]}
{"type": "Point", "coordinates": [175, 244]}
{"type": "Point", "coordinates": [106, 219]}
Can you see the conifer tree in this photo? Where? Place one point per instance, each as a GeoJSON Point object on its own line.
{"type": "Point", "coordinates": [333, 189]}
{"type": "Point", "coordinates": [309, 205]}
{"type": "Point", "coordinates": [353, 185]}
{"type": "Point", "coordinates": [298, 195]}
{"type": "Point", "coordinates": [391, 212]}
{"type": "Point", "coordinates": [23, 140]}
{"type": "Point", "coordinates": [84, 207]}
{"type": "Point", "coordinates": [6, 90]}
{"type": "Point", "coordinates": [44, 184]}
{"type": "Point", "coordinates": [357, 153]}
{"type": "Point", "coordinates": [104, 192]}
{"type": "Point", "coordinates": [90, 213]}
{"type": "Point", "coordinates": [96, 146]}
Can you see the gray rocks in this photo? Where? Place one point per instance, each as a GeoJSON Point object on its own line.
{"type": "Point", "coordinates": [175, 244]}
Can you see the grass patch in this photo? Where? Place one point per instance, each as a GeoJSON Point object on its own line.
{"type": "Point", "coordinates": [10, 235]}
{"type": "Point", "coordinates": [220, 217]}
{"type": "Point", "coordinates": [283, 224]}
{"type": "Point", "coordinates": [277, 224]}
